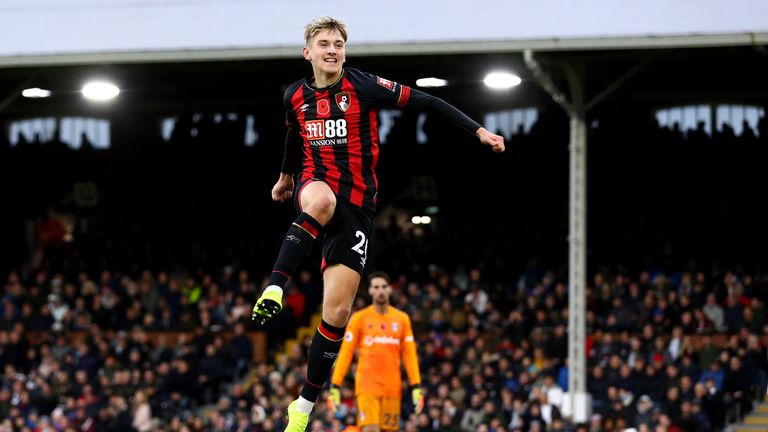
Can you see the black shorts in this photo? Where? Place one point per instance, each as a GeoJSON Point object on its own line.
{"type": "Point", "coordinates": [345, 238]}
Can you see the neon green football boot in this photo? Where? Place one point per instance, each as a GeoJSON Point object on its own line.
{"type": "Point", "coordinates": [268, 305]}
{"type": "Point", "coordinates": [297, 422]}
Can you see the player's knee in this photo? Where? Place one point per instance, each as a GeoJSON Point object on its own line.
{"type": "Point", "coordinates": [339, 315]}
{"type": "Point", "coordinates": [322, 207]}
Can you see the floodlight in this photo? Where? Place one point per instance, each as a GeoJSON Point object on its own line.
{"type": "Point", "coordinates": [100, 90]}
{"type": "Point", "coordinates": [431, 82]}
{"type": "Point", "coordinates": [35, 92]}
{"type": "Point", "coordinates": [501, 80]}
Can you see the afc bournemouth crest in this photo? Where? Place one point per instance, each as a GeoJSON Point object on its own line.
{"type": "Point", "coordinates": [342, 101]}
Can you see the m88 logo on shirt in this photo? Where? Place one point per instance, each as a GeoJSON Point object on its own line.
{"type": "Point", "coordinates": [322, 129]}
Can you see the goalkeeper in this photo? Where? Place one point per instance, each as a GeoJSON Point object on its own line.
{"type": "Point", "coordinates": [382, 335]}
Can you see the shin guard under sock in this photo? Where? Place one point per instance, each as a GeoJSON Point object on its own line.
{"type": "Point", "coordinates": [296, 246]}
{"type": "Point", "coordinates": [322, 354]}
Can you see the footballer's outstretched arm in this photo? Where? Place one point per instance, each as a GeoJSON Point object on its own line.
{"type": "Point", "coordinates": [424, 101]}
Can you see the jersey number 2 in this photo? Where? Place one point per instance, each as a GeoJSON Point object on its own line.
{"type": "Point", "coordinates": [362, 246]}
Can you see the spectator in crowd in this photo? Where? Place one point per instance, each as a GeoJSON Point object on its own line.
{"type": "Point", "coordinates": [142, 414]}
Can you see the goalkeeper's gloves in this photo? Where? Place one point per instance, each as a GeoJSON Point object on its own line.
{"type": "Point", "coordinates": [417, 396]}
{"type": "Point", "coordinates": [334, 398]}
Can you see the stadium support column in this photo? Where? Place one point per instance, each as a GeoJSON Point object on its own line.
{"type": "Point", "coordinates": [577, 267]}
{"type": "Point", "coordinates": [577, 404]}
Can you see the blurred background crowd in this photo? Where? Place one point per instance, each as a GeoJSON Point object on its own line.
{"type": "Point", "coordinates": [160, 352]}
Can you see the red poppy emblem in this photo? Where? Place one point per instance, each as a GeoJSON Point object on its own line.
{"type": "Point", "coordinates": [323, 107]}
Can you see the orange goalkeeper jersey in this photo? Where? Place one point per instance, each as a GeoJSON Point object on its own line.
{"type": "Point", "coordinates": [381, 340]}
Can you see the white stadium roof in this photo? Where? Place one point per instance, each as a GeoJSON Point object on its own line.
{"type": "Point", "coordinates": [46, 32]}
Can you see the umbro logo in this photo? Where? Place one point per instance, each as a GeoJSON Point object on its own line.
{"type": "Point", "coordinates": [330, 355]}
{"type": "Point", "coordinates": [303, 107]}
{"type": "Point", "coordinates": [292, 238]}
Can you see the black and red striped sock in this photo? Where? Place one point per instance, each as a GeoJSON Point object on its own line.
{"type": "Point", "coordinates": [296, 246]}
{"type": "Point", "coordinates": [322, 353]}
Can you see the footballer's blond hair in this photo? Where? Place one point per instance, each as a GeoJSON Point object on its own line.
{"type": "Point", "coordinates": [324, 23]}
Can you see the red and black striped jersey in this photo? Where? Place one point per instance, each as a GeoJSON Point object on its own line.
{"type": "Point", "coordinates": [339, 131]}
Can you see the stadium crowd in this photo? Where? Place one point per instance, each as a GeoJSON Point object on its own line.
{"type": "Point", "coordinates": [670, 352]}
